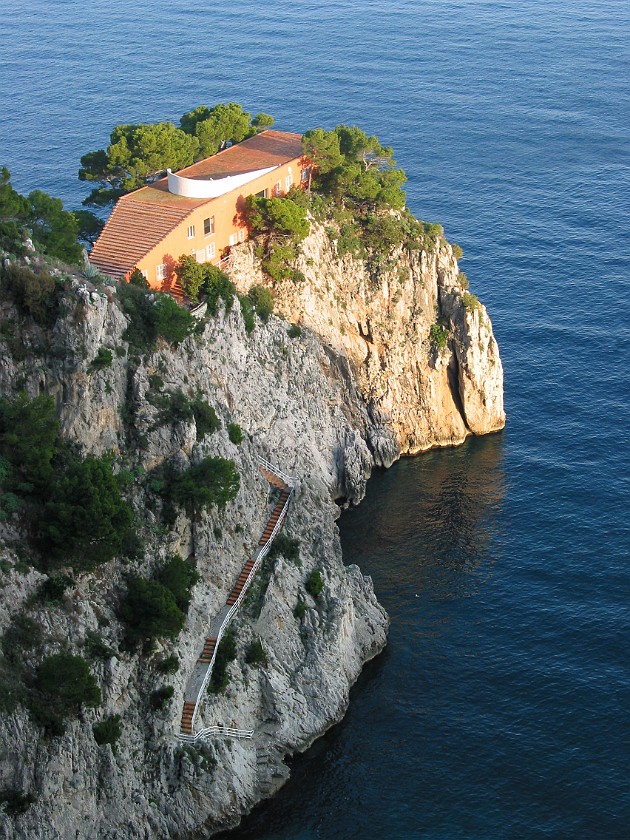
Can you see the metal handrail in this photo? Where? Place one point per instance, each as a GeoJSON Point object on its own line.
{"type": "Point", "coordinates": [209, 731]}
{"type": "Point", "coordinates": [264, 550]}
{"type": "Point", "coordinates": [290, 480]}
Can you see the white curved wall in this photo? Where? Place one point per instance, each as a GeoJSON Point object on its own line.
{"type": "Point", "coordinates": [211, 187]}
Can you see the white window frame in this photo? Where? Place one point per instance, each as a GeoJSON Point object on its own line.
{"type": "Point", "coordinates": [145, 273]}
{"type": "Point", "coordinates": [288, 182]}
{"type": "Point", "coordinates": [233, 239]}
{"type": "Point", "coordinates": [242, 234]}
{"type": "Point", "coordinates": [277, 188]}
{"type": "Point", "coordinates": [160, 271]}
{"type": "Point", "coordinates": [200, 256]}
{"type": "Point", "coordinates": [191, 231]}
{"type": "Point", "coordinates": [211, 251]}
{"type": "Point", "coordinates": [210, 219]}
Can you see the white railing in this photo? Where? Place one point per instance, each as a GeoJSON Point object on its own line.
{"type": "Point", "coordinates": [262, 553]}
{"type": "Point", "coordinates": [211, 731]}
{"type": "Point", "coordinates": [288, 479]}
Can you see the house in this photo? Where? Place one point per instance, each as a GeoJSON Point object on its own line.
{"type": "Point", "coordinates": [198, 210]}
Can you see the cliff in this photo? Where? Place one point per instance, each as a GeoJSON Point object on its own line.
{"type": "Point", "coordinates": [361, 385]}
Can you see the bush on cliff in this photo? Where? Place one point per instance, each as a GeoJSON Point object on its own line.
{"type": "Point", "coordinates": [152, 316]}
{"type": "Point", "coordinates": [149, 611]}
{"type": "Point", "coordinates": [35, 293]}
{"type": "Point", "coordinates": [262, 301]}
{"type": "Point", "coordinates": [315, 583]}
{"type": "Point", "coordinates": [214, 481]}
{"type": "Point", "coordinates": [226, 653]}
{"type": "Point", "coordinates": [179, 576]}
{"type": "Point", "coordinates": [86, 521]}
{"type": "Point", "coordinates": [107, 731]}
{"type": "Point", "coordinates": [63, 685]}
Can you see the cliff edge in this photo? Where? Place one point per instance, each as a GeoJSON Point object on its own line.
{"type": "Point", "coordinates": [388, 362]}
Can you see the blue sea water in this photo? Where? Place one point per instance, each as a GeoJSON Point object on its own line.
{"type": "Point", "coordinates": [501, 706]}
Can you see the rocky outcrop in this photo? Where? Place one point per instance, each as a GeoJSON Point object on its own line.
{"type": "Point", "coordinates": [360, 386]}
{"type": "Point", "coordinates": [379, 323]}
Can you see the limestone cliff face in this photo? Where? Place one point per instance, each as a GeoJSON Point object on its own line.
{"type": "Point", "coordinates": [359, 387]}
{"type": "Point", "coordinates": [380, 323]}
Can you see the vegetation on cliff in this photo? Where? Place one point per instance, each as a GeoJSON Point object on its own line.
{"type": "Point", "coordinates": [138, 153]}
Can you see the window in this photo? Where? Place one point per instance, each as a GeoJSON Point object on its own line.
{"type": "Point", "coordinates": [211, 251]}
{"type": "Point", "coordinates": [145, 274]}
{"type": "Point", "coordinates": [233, 239]}
{"type": "Point", "coordinates": [200, 256]}
{"type": "Point", "coordinates": [305, 175]}
{"type": "Point", "coordinates": [160, 272]}
{"type": "Point", "coordinates": [191, 231]}
{"type": "Point", "coordinates": [242, 234]}
{"type": "Point", "coordinates": [208, 226]}
{"type": "Point", "coordinates": [262, 194]}
{"type": "Point", "coordinates": [288, 181]}
{"type": "Point", "coordinates": [277, 188]}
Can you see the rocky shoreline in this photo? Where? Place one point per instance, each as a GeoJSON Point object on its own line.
{"type": "Point", "coordinates": [359, 387]}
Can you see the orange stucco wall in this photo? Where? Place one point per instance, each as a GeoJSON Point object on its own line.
{"type": "Point", "coordinates": [225, 210]}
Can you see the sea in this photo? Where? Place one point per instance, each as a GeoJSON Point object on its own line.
{"type": "Point", "coordinates": [500, 709]}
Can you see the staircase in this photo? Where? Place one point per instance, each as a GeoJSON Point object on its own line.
{"type": "Point", "coordinates": [203, 667]}
{"type": "Point", "coordinates": [175, 290]}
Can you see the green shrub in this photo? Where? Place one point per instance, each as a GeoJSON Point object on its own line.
{"type": "Point", "coordinates": [156, 383]}
{"type": "Point", "coordinates": [35, 294]}
{"type": "Point", "coordinates": [299, 611]}
{"type": "Point", "coordinates": [153, 315]}
{"type": "Point", "coordinates": [214, 481]}
{"type": "Point", "coordinates": [179, 576]}
{"type": "Point", "coordinates": [235, 433]}
{"type": "Point", "coordinates": [137, 278]}
{"type": "Point", "coordinates": [288, 548]}
{"type": "Point", "coordinates": [190, 274]}
{"type": "Point", "coordinates": [277, 261]}
{"type": "Point", "coordinates": [457, 251]}
{"type": "Point", "coordinates": [22, 634]}
{"type": "Point", "coordinates": [262, 301]}
{"type": "Point", "coordinates": [470, 301]}
{"type": "Point", "coordinates": [107, 731]}
{"type": "Point", "coordinates": [248, 313]}
{"type": "Point", "coordinates": [206, 418]}
{"type": "Point", "coordinates": [315, 583]}
{"type": "Point", "coordinates": [149, 611]}
{"type": "Point", "coordinates": [226, 653]}
{"type": "Point", "coordinates": [63, 685]}
{"type": "Point", "coordinates": [439, 335]}
{"type": "Point", "coordinates": [54, 588]}
{"type": "Point", "coordinates": [173, 322]}
{"type": "Point", "coordinates": [96, 648]}
{"type": "Point", "coordinates": [14, 802]}
{"type": "Point", "coordinates": [217, 286]}
{"type": "Point", "coordinates": [29, 434]}
{"type": "Point", "coordinates": [256, 654]}
{"type": "Point", "coordinates": [294, 331]}
{"type": "Point", "coordinates": [170, 665]}
{"type": "Point", "coordinates": [161, 697]}
{"type": "Point", "coordinates": [86, 520]}
{"type": "Point", "coordinates": [103, 359]}
{"type": "Point", "coordinates": [141, 332]}
{"type": "Point", "coordinates": [462, 279]}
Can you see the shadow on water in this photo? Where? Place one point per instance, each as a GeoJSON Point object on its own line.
{"type": "Point", "coordinates": [428, 534]}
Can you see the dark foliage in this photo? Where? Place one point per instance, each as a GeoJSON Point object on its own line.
{"type": "Point", "coordinates": [107, 731]}
{"type": "Point", "coordinates": [214, 481]}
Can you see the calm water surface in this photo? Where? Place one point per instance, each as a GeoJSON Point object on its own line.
{"type": "Point", "coordinates": [500, 708]}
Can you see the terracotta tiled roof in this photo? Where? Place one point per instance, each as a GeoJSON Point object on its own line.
{"type": "Point", "coordinates": [270, 148]}
{"type": "Point", "coordinates": [140, 220]}
{"type": "Point", "coordinates": [132, 230]}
